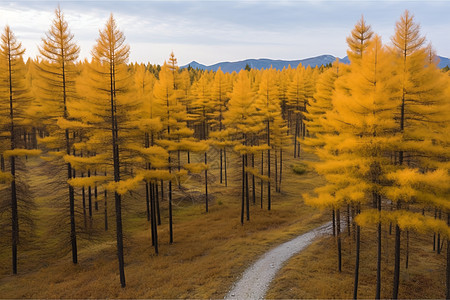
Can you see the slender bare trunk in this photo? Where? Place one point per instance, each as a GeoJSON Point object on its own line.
{"type": "Point", "coordinates": [358, 242]}
{"type": "Point", "coordinates": [206, 182]}
{"type": "Point", "coordinates": [448, 262]}
{"type": "Point", "coordinates": [225, 166]}
{"type": "Point", "coordinates": [253, 181]}
{"type": "Point", "coordinates": [243, 190]}
{"type": "Point", "coordinates": [338, 234]}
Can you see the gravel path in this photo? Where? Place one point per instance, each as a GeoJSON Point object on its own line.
{"type": "Point", "coordinates": [256, 279]}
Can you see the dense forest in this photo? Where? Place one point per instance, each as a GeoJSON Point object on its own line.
{"type": "Point", "coordinates": [103, 129]}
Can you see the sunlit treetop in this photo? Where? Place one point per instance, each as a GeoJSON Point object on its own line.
{"type": "Point", "coordinates": [111, 47]}
{"type": "Point", "coordinates": [359, 39]}
{"type": "Point", "coordinates": [407, 38]}
{"type": "Point", "coordinates": [58, 46]}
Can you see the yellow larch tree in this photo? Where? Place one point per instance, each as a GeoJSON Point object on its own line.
{"type": "Point", "coordinates": [14, 102]}
{"type": "Point", "coordinates": [173, 116]}
{"type": "Point", "coordinates": [269, 105]}
{"type": "Point", "coordinates": [420, 99]}
{"type": "Point", "coordinates": [221, 88]}
{"type": "Point", "coordinates": [242, 121]}
{"type": "Point", "coordinates": [331, 143]}
{"type": "Point", "coordinates": [110, 55]}
{"type": "Point", "coordinates": [365, 116]}
{"type": "Point", "coordinates": [58, 54]}
{"type": "Point", "coordinates": [359, 40]}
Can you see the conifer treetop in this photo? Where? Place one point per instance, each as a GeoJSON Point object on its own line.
{"type": "Point", "coordinates": [359, 39]}
{"type": "Point", "coordinates": [111, 45]}
{"type": "Point", "coordinates": [407, 38]}
{"type": "Point", "coordinates": [10, 46]}
{"type": "Point", "coordinates": [58, 46]}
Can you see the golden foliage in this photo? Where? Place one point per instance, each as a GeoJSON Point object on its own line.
{"type": "Point", "coordinates": [91, 181]}
{"type": "Point", "coordinates": [406, 220]}
{"type": "Point", "coordinates": [154, 175]}
{"type": "Point", "coordinates": [22, 152]}
{"type": "Point", "coordinates": [86, 162]}
{"type": "Point", "coordinates": [196, 167]}
{"type": "Point", "coordinates": [5, 177]}
{"type": "Point", "coordinates": [70, 124]}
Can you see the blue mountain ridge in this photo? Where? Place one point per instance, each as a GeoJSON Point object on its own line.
{"type": "Point", "coordinates": [265, 63]}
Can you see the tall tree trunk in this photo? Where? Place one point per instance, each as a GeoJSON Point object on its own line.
{"type": "Point", "coordinates": [106, 208]}
{"type": "Point", "coordinates": [358, 250]}
{"type": "Point", "coordinates": [300, 132]}
{"type": "Point", "coordinates": [73, 236]}
{"type": "Point", "coordinates": [276, 171]}
{"type": "Point", "coordinates": [253, 181]}
{"type": "Point", "coordinates": [221, 165]}
{"type": "Point", "coordinates": [448, 262]}
{"type": "Point", "coordinates": [158, 213]}
{"type": "Point", "coordinates": [407, 250]}
{"type": "Point", "coordinates": [14, 213]}
{"type": "Point", "coordinates": [262, 181]}
{"type": "Point", "coordinates": [83, 199]}
{"type": "Point", "coordinates": [90, 199]}
{"type": "Point", "coordinates": [354, 211]}
{"type": "Point", "coordinates": [147, 200]}
{"type": "Point", "coordinates": [151, 199]}
{"type": "Point", "coordinates": [247, 196]}
{"type": "Point", "coordinates": [396, 263]}
{"type": "Point", "coordinates": [95, 194]}
{"type": "Point", "coordinates": [438, 244]}
{"type": "Point", "coordinates": [116, 162]}
{"type": "Point", "coordinates": [119, 234]}
{"type": "Point", "coordinates": [390, 223]}
{"type": "Point", "coordinates": [281, 168]}
{"type": "Point", "coordinates": [179, 166]}
{"type": "Point", "coordinates": [397, 228]}
{"type": "Point", "coordinates": [338, 234]}
{"type": "Point", "coordinates": [225, 166]}
{"type": "Point", "coordinates": [378, 285]}
{"type": "Point", "coordinates": [34, 138]}
{"type": "Point", "coordinates": [295, 136]}
{"type": "Point", "coordinates": [434, 233]}
{"type": "Point", "coordinates": [206, 182]}
{"type": "Point", "coordinates": [162, 190]}
{"type": "Point", "coordinates": [154, 188]}
{"type": "Point", "coordinates": [243, 190]}
{"type": "Point", "coordinates": [269, 204]}
{"type": "Point", "coordinates": [304, 130]}
{"type": "Point", "coordinates": [170, 207]}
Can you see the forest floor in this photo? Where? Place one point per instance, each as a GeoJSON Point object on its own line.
{"type": "Point", "coordinates": [209, 253]}
{"type": "Point", "coordinates": [256, 279]}
{"type": "Point", "coordinates": [313, 273]}
{"type": "Point", "coordinates": [210, 250]}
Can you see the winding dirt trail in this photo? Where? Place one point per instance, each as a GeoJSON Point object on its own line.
{"type": "Point", "coordinates": [256, 279]}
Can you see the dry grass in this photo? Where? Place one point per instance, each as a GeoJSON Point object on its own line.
{"type": "Point", "coordinates": [210, 251]}
{"type": "Point", "coordinates": [313, 273]}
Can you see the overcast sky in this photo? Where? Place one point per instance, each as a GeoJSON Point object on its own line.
{"type": "Point", "coordinates": [214, 31]}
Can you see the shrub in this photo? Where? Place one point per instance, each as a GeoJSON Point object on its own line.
{"type": "Point", "coordinates": [299, 168]}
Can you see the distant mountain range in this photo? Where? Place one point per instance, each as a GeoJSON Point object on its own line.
{"type": "Point", "coordinates": [265, 63]}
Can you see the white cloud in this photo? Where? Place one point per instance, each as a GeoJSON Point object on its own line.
{"type": "Point", "coordinates": [212, 31]}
